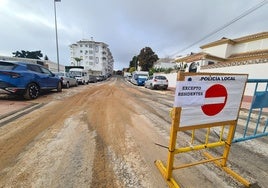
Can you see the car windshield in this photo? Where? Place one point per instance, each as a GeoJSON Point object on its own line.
{"type": "Point", "coordinates": [143, 76]}
{"type": "Point", "coordinates": [76, 73]}
{"type": "Point", "coordinates": [59, 73]}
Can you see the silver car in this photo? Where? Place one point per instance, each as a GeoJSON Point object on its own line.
{"type": "Point", "coordinates": [156, 82]}
{"type": "Point", "coordinates": [67, 80]}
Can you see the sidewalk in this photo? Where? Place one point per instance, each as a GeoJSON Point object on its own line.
{"type": "Point", "coordinates": [7, 107]}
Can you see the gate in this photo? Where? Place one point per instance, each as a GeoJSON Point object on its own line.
{"type": "Point", "coordinates": [257, 116]}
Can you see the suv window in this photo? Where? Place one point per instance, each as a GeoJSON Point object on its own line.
{"type": "Point", "coordinates": [7, 65]}
{"type": "Point", "coordinates": [34, 68]}
{"type": "Point", "coordinates": [45, 71]}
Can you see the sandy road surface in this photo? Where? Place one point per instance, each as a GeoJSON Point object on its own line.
{"type": "Point", "coordinates": [104, 135]}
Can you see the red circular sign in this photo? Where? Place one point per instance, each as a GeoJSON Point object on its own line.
{"type": "Point", "coordinates": [215, 91]}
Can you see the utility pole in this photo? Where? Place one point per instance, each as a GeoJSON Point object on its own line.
{"type": "Point", "coordinates": [57, 45]}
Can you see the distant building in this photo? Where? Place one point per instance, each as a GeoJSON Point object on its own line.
{"type": "Point", "coordinates": [166, 63]}
{"type": "Point", "coordinates": [47, 63]}
{"type": "Point", "coordinates": [95, 57]}
{"type": "Point", "coordinates": [251, 49]}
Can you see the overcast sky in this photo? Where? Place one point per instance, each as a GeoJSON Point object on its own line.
{"type": "Point", "coordinates": [127, 26]}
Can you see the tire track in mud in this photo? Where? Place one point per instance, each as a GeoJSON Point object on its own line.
{"type": "Point", "coordinates": [103, 175]}
{"type": "Point", "coordinates": [116, 164]}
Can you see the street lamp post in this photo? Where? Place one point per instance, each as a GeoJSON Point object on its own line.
{"type": "Point", "coordinates": [57, 45]}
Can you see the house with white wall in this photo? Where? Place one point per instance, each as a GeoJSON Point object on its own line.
{"type": "Point", "coordinates": [248, 54]}
{"type": "Point", "coordinates": [244, 55]}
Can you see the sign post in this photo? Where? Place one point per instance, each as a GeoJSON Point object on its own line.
{"type": "Point", "coordinates": [204, 100]}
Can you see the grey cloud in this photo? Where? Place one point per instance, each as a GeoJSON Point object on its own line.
{"type": "Point", "coordinates": [126, 25]}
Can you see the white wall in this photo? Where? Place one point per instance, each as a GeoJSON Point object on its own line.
{"type": "Point", "coordinates": [255, 71]}
{"type": "Point", "coordinates": [219, 51]}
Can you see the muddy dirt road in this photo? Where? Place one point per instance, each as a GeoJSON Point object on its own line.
{"type": "Point", "coordinates": [106, 135]}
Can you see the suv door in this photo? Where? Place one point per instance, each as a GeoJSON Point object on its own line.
{"type": "Point", "coordinates": [50, 79]}
{"type": "Point", "coordinates": [43, 76]}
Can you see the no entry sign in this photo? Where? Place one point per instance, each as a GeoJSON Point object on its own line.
{"type": "Point", "coordinates": [209, 98]}
{"type": "Point", "coordinates": [217, 91]}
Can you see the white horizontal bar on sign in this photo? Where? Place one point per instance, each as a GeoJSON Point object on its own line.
{"type": "Point", "coordinates": [214, 100]}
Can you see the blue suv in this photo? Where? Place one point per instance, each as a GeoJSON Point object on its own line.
{"type": "Point", "coordinates": [27, 79]}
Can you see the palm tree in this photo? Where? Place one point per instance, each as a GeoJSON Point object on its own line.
{"type": "Point", "coordinates": [77, 59]}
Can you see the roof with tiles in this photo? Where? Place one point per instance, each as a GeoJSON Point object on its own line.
{"type": "Point", "coordinates": [247, 38]}
{"type": "Point", "coordinates": [199, 56]}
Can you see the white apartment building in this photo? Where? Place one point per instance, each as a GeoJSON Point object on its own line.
{"type": "Point", "coordinates": [95, 57]}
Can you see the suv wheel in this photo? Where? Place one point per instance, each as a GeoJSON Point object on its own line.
{"type": "Point", "coordinates": [32, 91]}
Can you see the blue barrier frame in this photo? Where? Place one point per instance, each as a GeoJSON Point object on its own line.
{"type": "Point", "coordinates": [260, 101]}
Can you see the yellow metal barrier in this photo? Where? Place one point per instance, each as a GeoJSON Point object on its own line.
{"type": "Point", "coordinates": [220, 161]}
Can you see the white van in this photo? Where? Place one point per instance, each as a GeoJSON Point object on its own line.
{"type": "Point", "coordinates": [80, 75]}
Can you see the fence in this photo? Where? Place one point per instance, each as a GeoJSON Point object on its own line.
{"type": "Point", "coordinates": [257, 115]}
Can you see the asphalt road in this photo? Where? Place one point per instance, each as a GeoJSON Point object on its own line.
{"type": "Point", "coordinates": [109, 134]}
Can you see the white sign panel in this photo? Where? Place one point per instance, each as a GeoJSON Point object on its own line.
{"type": "Point", "coordinates": [209, 98]}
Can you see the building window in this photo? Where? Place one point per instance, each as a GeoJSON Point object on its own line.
{"type": "Point", "coordinates": [81, 51]}
{"type": "Point", "coordinates": [211, 62]}
{"type": "Point", "coordinates": [193, 67]}
{"type": "Point", "coordinates": [90, 46]}
{"type": "Point", "coordinates": [97, 49]}
{"type": "Point", "coordinates": [97, 59]}
{"type": "Point", "coordinates": [81, 45]}
{"type": "Point", "coordinates": [86, 52]}
{"type": "Point", "coordinates": [90, 52]}
{"type": "Point", "coordinates": [86, 45]}
{"type": "Point", "coordinates": [90, 57]}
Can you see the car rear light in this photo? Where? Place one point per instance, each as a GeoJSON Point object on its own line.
{"type": "Point", "coordinates": [155, 80]}
{"type": "Point", "coordinates": [12, 74]}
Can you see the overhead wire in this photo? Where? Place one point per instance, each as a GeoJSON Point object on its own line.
{"type": "Point", "coordinates": [247, 12]}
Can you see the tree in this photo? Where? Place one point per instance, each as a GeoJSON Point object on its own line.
{"type": "Point", "coordinates": [28, 54]}
{"type": "Point", "coordinates": [132, 69]}
{"type": "Point", "coordinates": [77, 59]}
{"type": "Point", "coordinates": [133, 62]}
{"type": "Point", "coordinates": [46, 58]}
{"type": "Point", "coordinates": [147, 58]}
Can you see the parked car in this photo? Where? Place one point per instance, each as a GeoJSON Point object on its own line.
{"type": "Point", "coordinates": [80, 75]}
{"type": "Point", "coordinates": [67, 80]}
{"type": "Point", "coordinates": [92, 79]}
{"type": "Point", "coordinates": [100, 78]}
{"type": "Point", "coordinates": [27, 79]}
{"type": "Point", "coordinates": [139, 77]}
{"type": "Point", "coordinates": [156, 82]}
